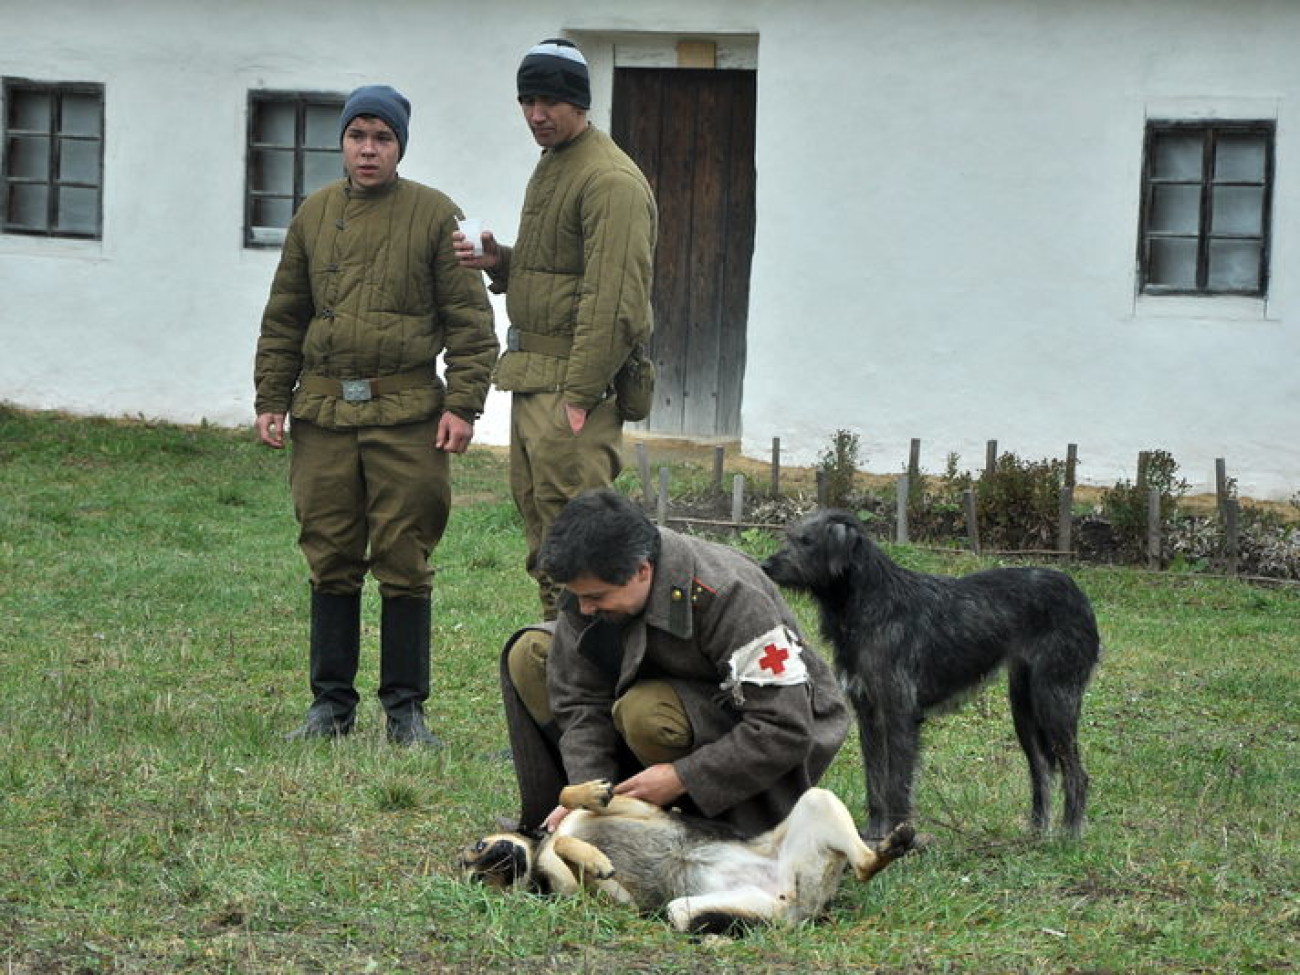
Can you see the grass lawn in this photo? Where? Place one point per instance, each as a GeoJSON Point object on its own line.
{"type": "Point", "coordinates": [153, 614]}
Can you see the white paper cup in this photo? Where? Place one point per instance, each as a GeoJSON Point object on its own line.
{"type": "Point", "coordinates": [472, 228]}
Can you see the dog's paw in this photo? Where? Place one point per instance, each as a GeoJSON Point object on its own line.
{"type": "Point", "coordinates": [902, 839]}
{"type": "Point", "coordinates": [593, 796]}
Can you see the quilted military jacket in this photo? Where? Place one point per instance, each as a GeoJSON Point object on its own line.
{"type": "Point", "coordinates": [580, 271]}
{"type": "Point", "coordinates": [368, 286]}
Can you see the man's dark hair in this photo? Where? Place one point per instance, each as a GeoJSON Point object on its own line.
{"type": "Point", "coordinates": [599, 533]}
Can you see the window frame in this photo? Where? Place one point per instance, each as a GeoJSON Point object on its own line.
{"type": "Point", "coordinates": [56, 91]}
{"type": "Point", "coordinates": [1210, 131]}
{"type": "Point", "coordinates": [260, 236]}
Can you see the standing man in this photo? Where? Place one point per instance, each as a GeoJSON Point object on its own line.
{"type": "Point", "coordinates": [676, 671]}
{"type": "Point", "coordinates": [577, 285]}
{"type": "Point", "coordinates": [367, 295]}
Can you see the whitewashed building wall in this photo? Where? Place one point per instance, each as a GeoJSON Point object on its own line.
{"type": "Point", "coordinates": [948, 199]}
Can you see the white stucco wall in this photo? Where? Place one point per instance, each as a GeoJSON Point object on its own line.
{"type": "Point", "coordinates": [947, 211]}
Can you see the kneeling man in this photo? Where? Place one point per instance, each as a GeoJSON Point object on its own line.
{"type": "Point", "coordinates": [675, 670]}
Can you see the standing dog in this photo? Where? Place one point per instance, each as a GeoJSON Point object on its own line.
{"type": "Point", "coordinates": [906, 642]}
{"type": "Point", "coordinates": [704, 876]}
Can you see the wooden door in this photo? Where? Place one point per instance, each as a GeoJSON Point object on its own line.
{"type": "Point", "coordinates": [692, 134]}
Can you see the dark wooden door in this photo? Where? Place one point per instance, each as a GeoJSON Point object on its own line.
{"type": "Point", "coordinates": [692, 134]}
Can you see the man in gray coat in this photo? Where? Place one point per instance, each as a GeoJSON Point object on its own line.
{"type": "Point", "coordinates": [676, 670]}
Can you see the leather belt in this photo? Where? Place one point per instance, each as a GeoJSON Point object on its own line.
{"type": "Point", "coordinates": [364, 390]}
{"type": "Point", "coordinates": [552, 345]}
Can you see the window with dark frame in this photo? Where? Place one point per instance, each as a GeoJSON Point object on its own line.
{"type": "Point", "coordinates": [52, 169]}
{"type": "Point", "coordinates": [1206, 202]}
{"type": "Point", "coordinates": [293, 150]}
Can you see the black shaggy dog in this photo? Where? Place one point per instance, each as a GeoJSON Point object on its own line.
{"type": "Point", "coordinates": [906, 642]}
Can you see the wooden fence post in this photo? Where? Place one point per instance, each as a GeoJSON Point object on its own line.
{"type": "Point", "coordinates": [914, 460]}
{"type": "Point", "coordinates": [738, 499]}
{"type": "Point", "coordinates": [972, 520]}
{"type": "Point", "coordinates": [990, 459]}
{"type": "Point", "coordinates": [1065, 520]}
{"type": "Point", "coordinates": [1221, 484]}
{"type": "Point", "coordinates": [821, 487]}
{"type": "Point", "coordinates": [900, 504]}
{"type": "Point", "coordinates": [1153, 528]}
{"type": "Point", "coordinates": [643, 469]}
{"type": "Point", "coordinates": [661, 510]}
{"type": "Point", "coordinates": [719, 455]}
{"type": "Point", "coordinates": [1230, 510]}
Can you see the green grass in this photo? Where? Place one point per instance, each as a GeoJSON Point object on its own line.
{"type": "Point", "coordinates": [152, 626]}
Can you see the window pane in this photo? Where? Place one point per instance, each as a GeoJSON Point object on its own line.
{"type": "Point", "coordinates": [29, 157]}
{"type": "Point", "coordinates": [1177, 156]}
{"type": "Point", "coordinates": [1175, 210]}
{"type": "Point", "coordinates": [1238, 210]}
{"type": "Point", "coordinates": [28, 207]}
{"type": "Point", "coordinates": [1234, 265]}
{"type": "Point", "coordinates": [273, 171]}
{"type": "Point", "coordinates": [272, 212]}
{"type": "Point", "coordinates": [78, 211]}
{"type": "Point", "coordinates": [1173, 264]}
{"type": "Point", "coordinates": [322, 127]}
{"type": "Point", "coordinates": [1240, 158]}
{"type": "Point", "coordinates": [273, 123]}
{"type": "Point", "coordinates": [29, 110]}
{"type": "Point", "coordinates": [319, 168]}
{"type": "Point", "coordinates": [79, 161]}
{"type": "Point", "coordinates": [80, 115]}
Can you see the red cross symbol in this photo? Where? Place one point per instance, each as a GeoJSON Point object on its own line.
{"type": "Point", "coordinates": [774, 658]}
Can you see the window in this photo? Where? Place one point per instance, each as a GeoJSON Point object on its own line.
{"type": "Point", "coordinates": [53, 159]}
{"type": "Point", "coordinates": [1206, 190]}
{"type": "Point", "coordinates": [293, 149]}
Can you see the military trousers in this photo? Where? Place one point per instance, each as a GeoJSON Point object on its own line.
{"type": "Point", "coordinates": [649, 716]}
{"type": "Point", "coordinates": [550, 465]}
{"type": "Point", "coordinates": [369, 499]}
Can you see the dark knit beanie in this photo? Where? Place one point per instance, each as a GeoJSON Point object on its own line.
{"type": "Point", "coordinates": [555, 69]}
{"type": "Point", "coordinates": [383, 103]}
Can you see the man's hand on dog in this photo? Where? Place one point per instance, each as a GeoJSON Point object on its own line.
{"type": "Point", "coordinates": [659, 784]}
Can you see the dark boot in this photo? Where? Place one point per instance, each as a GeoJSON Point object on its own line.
{"type": "Point", "coordinates": [404, 669]}
{"type": "Point", "coordinates": [335, 652]}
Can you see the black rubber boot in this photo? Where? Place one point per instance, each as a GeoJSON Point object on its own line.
{"type": "Point", "coordinates": [335, 652]}
{"type": "Point", "coordinates": [404, 669]}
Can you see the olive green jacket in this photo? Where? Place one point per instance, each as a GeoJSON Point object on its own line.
{"type": "Point", "coordinates": [580, 273]}
{"type": "Point", "coordinates": [368, 286]}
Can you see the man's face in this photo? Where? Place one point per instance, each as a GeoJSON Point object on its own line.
{"type": "Point", "coordinates": [370, 152]}
{"type": "Point", "coordinates": [615, 603]}
{"type": "Point", "coordinates": [552, 123]}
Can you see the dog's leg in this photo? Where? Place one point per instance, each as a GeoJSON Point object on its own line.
{"type": "Point", "coordinates": [598, 797]}
{"type": "Point", "coordinates": [875, 763]}
{"type": "Point", "coordinates": [725, 912]}
{"type": "Point", "coordinates": [556, 872]}
{"type": "Point", "coordinates": [583, 858]}
{"type": "Point", "coordinates": [819, 838]}
{"type": "Point", "coordinates": [889, 732]}
{"type": "Point", "coordinates": [1029, 734]}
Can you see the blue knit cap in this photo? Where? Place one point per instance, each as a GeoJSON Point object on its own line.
{"type": "Point", "coordinates": [384, 103]}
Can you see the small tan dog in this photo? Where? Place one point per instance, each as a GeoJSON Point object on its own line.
{"type": "Point", "coordinates": [704, 877]}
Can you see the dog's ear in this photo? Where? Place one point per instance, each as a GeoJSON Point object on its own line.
{"type": "Point", "coordinates": [842, 543]}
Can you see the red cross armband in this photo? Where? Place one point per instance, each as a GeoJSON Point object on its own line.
{"type": "Point", "coordinates": [776, 657]}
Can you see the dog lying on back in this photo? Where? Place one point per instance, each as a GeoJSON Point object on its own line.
{"type": "Point", "coordinates": [700, 874]}
{"type": "Point", "coordinates": [906, 642]}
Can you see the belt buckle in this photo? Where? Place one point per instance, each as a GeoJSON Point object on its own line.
{"type": "Point", "coordinates": [356, 390]}
{"type": "Point", "coordinates": [512, 339]}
